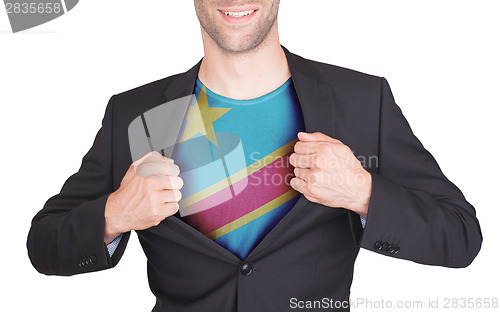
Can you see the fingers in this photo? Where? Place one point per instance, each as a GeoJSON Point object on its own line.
{"type": "Point", "coordinates": [302, 160]}
{"type": "Point", "coordinates": [171, 208]}
{"type": "Point", "coordinates": [157, 169]}
{"type": "Point", "coordinates": [310, 176]}
{"type": "Point", "coordinates": [312, 147]}
{"type": "Point", "coordinates": [170, 196]}
{"type": "Point", "coordinates": [302, 173]}
{"type": "Point", "coordinates": [316, 136]}
{"type": "Point", "coordinates": [169, 160]}
{"type": "Point", "coordinates": [165, 183]}
{"type": "Point", "coordinates": [298, 184]}
{"type": "Point", "coordinates": [302, 147]}
{"type": "Point", "coordinates": [171, 183]}
{"type": "Point", "coordinates": [301, 186]}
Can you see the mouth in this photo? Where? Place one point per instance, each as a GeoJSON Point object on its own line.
{"type": "Point", "coordinates": [238, 14]}
{"type": "Point", "coordinates": [234, 16]}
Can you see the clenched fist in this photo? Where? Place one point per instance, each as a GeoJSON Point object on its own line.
{"type": "Point", "coordinates": [327, 172]}
{"type": "Point", "coordinates": [148, 193]}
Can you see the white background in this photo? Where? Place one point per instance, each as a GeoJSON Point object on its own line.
{"type": "Point", "coordinates": [441, 59]}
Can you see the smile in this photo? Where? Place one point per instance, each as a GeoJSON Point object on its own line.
{"type": "Point", "coordinates": [239, 14]}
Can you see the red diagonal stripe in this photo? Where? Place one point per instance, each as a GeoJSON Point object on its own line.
{"type": "Point", "coordinates": [262, 186]}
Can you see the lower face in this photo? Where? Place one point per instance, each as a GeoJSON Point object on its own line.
{"type": "Point", "coordinates": [237, 26]}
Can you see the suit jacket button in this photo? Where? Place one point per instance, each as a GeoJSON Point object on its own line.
{"type": "Point", "coordinates": [83, 263]}
{"type": "Point", "coordinates": [93, 260]}
{"type": "Point", "coordinates": [396, 249]}
{"type": "Point", "coordinates": [246, 269]}
{"type": "Point", "coordinates": [384, 246]}
{"type": "Point", "coordinates": [390, 249]}
{"type": "Point", "coordinates": [378, 245]}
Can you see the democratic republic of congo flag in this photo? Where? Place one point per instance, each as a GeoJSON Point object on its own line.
{"type": "Point", "coordinates": [233, 158]}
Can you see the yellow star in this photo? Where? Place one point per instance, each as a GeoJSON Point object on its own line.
{"type": "Point", "coordinates": [200, 118]}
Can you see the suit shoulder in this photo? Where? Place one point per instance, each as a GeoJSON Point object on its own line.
{"type": "Point", "coordinates": [151, 90]}
{"type": "Point", "coordinates": [134, 102]}
{"type": "Point", "coordinates": [338, 74]}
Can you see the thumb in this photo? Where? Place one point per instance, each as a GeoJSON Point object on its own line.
{"type": "Point", "coordinates": [316, 136]}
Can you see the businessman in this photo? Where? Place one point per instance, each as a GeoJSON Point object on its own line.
{"type": "Point", "coordinates": [217, 236]}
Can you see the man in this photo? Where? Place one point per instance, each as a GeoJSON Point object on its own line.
{"type": "Point", "coordinates": [263, 247]}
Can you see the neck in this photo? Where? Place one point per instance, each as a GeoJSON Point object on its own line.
{"type": "Point", "coordinates": [245, 75]}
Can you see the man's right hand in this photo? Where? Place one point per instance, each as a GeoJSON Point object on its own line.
{"type": "Point", "coordinates": [148, 193]}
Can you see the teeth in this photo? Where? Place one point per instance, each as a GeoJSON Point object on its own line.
{"type": "Point", "coordinates": [239, 14]}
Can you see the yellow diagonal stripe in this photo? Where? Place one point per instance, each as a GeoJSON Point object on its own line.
{"type": "Point", "coordinates": [253, 215]}
{"type": "Point", "coordinates": [243, 173]}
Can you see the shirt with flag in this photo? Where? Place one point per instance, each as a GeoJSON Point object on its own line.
{"type": "Point", "coordinates": [233, 159]}
{"type": "Point", "coordinates": [233, 156]}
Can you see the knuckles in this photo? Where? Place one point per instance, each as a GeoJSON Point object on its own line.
{"type": "Point", "coordinates": [291, 159]}
{"type": "Point", "coordinates": [172, 208]}
{"type": "Point", "coordinates": [156, 169]}
{"type": "Point", "coordinates": [173, 169]}
{"type": "Point", "coordinates": [180, 182]}
{"type": "Point", "coordinates": [173, 183]}
{"type": "Point", "coordinates": [318, 161]}
{"type": "Point", "coordinates": [177, 195]}
{"type": "Point", "coordinates": [325, 149]}
{"type": "Point", "coordinates": [313, 176]}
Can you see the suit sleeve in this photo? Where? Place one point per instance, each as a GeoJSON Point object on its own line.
{"type": "Point", "coordinates": [67, 236]}
{"type": "Point", "coordinates": [415, 212]}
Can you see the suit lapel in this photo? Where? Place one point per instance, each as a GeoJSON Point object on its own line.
{"type": "Point", "coordinates": [182, 84]}
{"type": "Point", "coordinates": [318, 108]}
{"type": "Point", "coordinates": [315, 98]}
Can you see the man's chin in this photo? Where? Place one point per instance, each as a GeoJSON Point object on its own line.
{"type": "Point", "coordinates": [238, 46]}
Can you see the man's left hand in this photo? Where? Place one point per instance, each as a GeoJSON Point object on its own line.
{"type": "Point", "coordinates": [327, 172]}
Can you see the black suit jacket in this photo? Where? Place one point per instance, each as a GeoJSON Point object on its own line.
{"type": "Point", "coordinates": [415, 212]}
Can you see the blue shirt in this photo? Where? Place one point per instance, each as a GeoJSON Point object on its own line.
{"type": "Point", "coordinates": [234, 164]}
